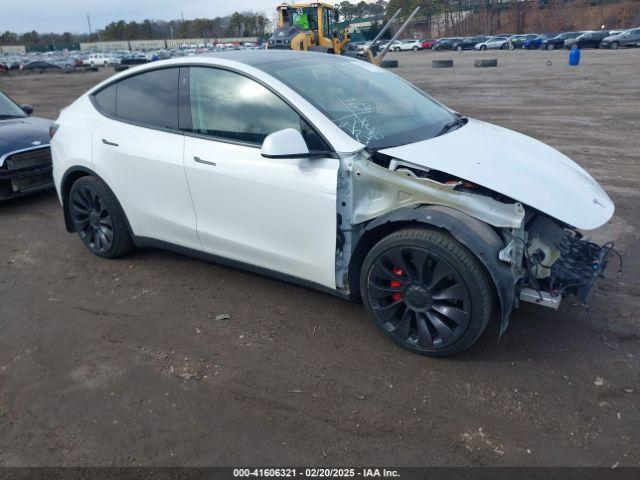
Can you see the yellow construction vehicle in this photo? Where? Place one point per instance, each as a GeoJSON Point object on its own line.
{"type": "Point", "coordinates": [308, 26]}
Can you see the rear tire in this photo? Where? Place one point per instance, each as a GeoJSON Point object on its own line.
{"type": "Point", "coordinates": [615, 45]}
{"type": "Point", "coordinates": [551, 46]}
{"type": "Point", "coordinates": [483, 48]}
{"type": "Point", "coordinates": [98, 218]}
{"type": "Point", "coordinates": [426, 292]}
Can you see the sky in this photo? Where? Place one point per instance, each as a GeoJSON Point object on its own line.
{"type": "Point", "coordinates": [71, 15]}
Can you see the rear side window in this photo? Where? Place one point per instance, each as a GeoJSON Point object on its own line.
{"type": "Point", "coordinates": [149, 98]}
{"type": "Point", "coordinates": [230, 106]}
{"type": "Point", "coordinates": [106, 100]}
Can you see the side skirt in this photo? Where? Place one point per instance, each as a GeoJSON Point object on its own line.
{"type": "Point", "coordinates": [145, 242]}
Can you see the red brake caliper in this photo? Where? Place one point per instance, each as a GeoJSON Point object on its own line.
{"type": "Point", "coordinates": [396, 284]}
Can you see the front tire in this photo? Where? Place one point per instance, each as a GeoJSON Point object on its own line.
{"type": "Point", "coordinates": [615, 45]}
{"type": "Point", "coordinates": [426, 292]}
{"type": "Point", "coordinates": [483, 48]}
{"type": "Point", "coordinates": [98, 218]}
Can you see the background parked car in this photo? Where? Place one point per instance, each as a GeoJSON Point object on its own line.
{"type": "Point", "coordinates": [428, 43]}
{"type": "Point", "coordinates": [536, 43]}
{"type": "Point", "coordinates": [518, 41]}
{"type": "Point", "coordinates": [588, 40]}
{"type": "Point", "coordinates": [65, 63]}
{"type": "Point", "coordinates": [558, 40]}
{"type": "Point", "coordinates": [97, 60]}
{"type": "Point", "coordinates": [469, 43]}
{"type": "Point", "coordinates": [499, 42]}
{"type": "Point", "coordinates": [134, 59]}
{"type": "Point", "coordinates": [406, 45]}
{"type": "Point", "coordinates": [381, 46]}
{"type": "Point", "coordinates": [446, 43]}
{"type": "Point", "coordinates": [40, 66]}
{"type": "Point", "coordinates": [629, 38]}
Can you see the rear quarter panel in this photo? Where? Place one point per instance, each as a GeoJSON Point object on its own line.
{"type": "Point", "coordinates": [71, 145]}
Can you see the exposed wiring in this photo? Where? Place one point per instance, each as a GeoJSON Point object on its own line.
{"type": "Point", "coordinates": [577, 269]}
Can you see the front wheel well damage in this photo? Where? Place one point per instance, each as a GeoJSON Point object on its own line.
{"type": "Point", "coordinates": [479, 238]}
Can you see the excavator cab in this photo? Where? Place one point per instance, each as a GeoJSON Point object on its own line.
{"type": "Point", "coordinates": [308, 26]}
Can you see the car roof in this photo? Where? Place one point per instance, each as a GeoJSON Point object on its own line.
{"type": "Point", "coordinates": [262, 57]}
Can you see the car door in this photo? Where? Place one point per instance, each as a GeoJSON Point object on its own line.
{"type": "Point", "coordinates": [276, 214]}
{"type": "Point", "coordinates": [138, 150]}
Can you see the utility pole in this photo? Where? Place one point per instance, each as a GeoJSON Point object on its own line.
{"type": "Point", "coordinates": [89, 22]}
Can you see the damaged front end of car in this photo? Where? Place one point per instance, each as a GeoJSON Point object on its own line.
{"type": "Point", "coordinates": [552, 260]}
{"type": "Point", "coordinates": [528, 255]}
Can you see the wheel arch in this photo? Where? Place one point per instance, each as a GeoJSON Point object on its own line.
{"type": "Point", "coordinates": [478, 237]}
{"type": "Point", "coordinates": [72, 175]}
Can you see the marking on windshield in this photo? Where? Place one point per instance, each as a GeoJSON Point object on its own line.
{"type": "Point", "coordinates": [356, 123]}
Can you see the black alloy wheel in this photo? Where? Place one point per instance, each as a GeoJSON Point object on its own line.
{"type": "Point", "coordinates": [98, 218]}
{"type": "Point", "coordinates": [91, 219]}
{"type": "Point", "coordinates": [426, 292]}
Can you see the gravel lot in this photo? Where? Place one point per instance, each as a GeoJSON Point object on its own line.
{"type": "Point", "coordinates": [124, 363]}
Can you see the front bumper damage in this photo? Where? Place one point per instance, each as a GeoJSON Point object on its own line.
{"type": "Point", "coordinates": [529, 255]}
{"type": "Point", "coordinates": [555, 261]}
{"type": "Point", "coordinates": [25, 171]}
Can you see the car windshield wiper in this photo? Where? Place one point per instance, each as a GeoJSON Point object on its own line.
{"type": "Point", "coordinates": [9, 116]}
{"type": "Point", "coordinates": [457, 123]}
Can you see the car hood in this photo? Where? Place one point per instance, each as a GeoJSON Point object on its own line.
{"type": "Point", "coordinates": [21, 133]}
{"type": "Point", "coordinates": [517, 166]}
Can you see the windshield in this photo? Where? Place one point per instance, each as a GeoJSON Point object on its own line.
{"type": "Point", "coordinates": [374, 107]}
{"type": "Point", "coordinates": [8, 108]}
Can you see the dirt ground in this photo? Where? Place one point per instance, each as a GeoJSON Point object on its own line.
{"type": "Point", "coordinates": [124, 362]}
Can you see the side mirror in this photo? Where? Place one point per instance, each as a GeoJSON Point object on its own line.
{"type": "Point", "coordinates": [287, 143]}
{"type": "Point", "coordinates": [28, 109]}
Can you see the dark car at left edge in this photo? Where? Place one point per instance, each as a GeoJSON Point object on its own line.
{"type": "Point", "coordinates": [25, 156]}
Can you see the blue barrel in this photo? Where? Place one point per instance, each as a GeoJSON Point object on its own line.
{"type": "Point", "coordinates": [574, 56]}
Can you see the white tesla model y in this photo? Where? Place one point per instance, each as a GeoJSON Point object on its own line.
{"type": "Point", "coordinates": [334, 173]}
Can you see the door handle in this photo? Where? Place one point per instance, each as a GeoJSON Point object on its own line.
{"type": "Point", "coordinates": [107, 142]}
{"type": "Point", "coordinates": [199, 160]}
